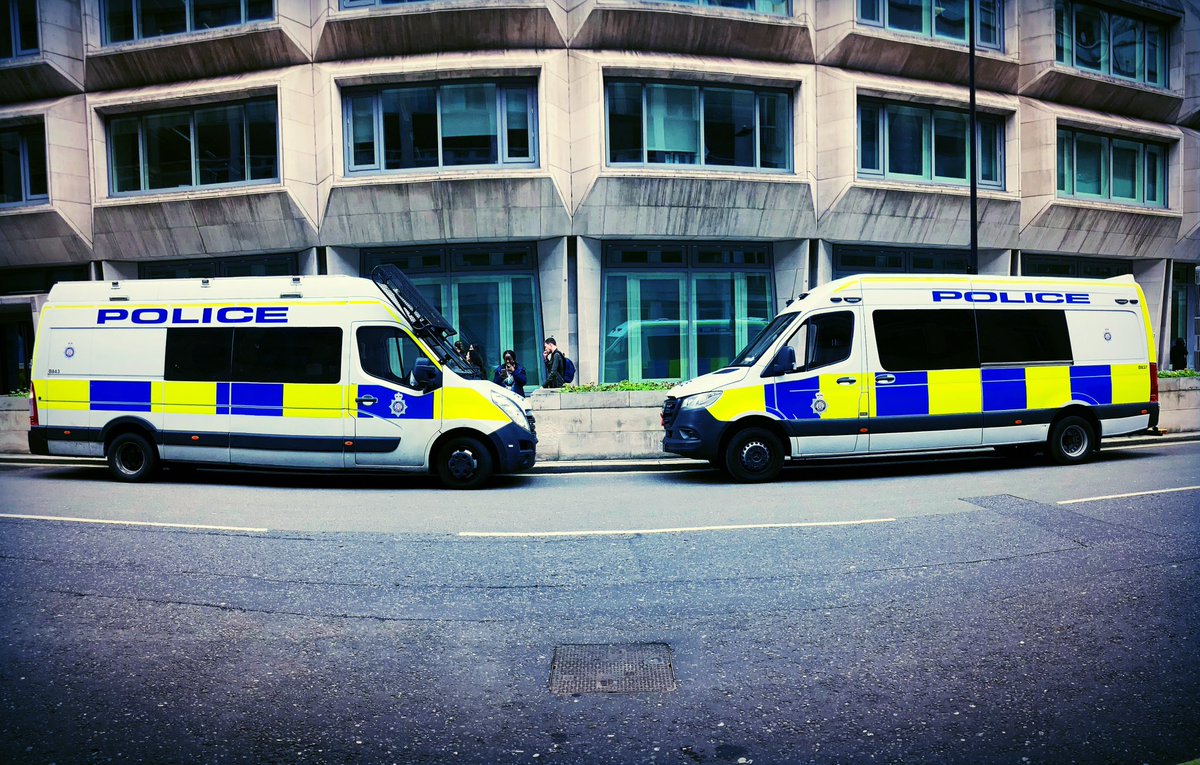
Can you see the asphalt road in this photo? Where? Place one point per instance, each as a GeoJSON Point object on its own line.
{"type": "Point", "coordinates": [927, 610]}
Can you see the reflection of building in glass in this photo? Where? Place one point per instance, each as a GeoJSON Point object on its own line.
{"type": "Point", "coordinates": [649, 182]}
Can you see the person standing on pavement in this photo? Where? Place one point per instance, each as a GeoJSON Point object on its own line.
{"type": "Point", "coordinates": [511, 374]}
{"type": "Point", "coordinates": [1179, 354]}
{"type": "Point", "coordinates": [554, 363]}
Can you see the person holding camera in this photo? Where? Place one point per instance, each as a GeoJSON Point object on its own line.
{"type": "Point", "coordinates": [511, 374]}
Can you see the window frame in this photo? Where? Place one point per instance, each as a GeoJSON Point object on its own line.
{"type": "Point", "coordinates": [28, 198]}
{"type": "Point", "coordinates": [503, 149]}
{"type": "Point", "coordinates": [884, 109]}
{"type": "Point", "coordinates": [1066, 13]}
{"type": "Point", "coordinates": [143, 170]}
{"type": "Point", "coordinates": [16, 39]}
{"type": "Point", "coordinates": [688, 273]}
{"type": "Point", "coordinates": [701, 87]}
{"type": "Point", "coordinates": [881, 20]}
{"type": "Point", "coordinates": [189, 20]}
{"type": "Point", "coordinates": [1066, 186]}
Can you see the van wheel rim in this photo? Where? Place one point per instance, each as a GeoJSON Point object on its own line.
{"type": "Point", "coordinates": [1074, 441]}
{"type": "Point", "coordinates": [462, 464]}
{"type": "Point", "coordinates": [130, 459]}
{"type": "Point", "coordinates": [756, 456]}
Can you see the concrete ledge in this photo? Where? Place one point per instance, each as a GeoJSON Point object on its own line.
{"type": "Point", "coordinates": [14, 424]}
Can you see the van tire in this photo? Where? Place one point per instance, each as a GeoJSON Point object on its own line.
{"type": "Point", "coordinates": [464, 462]}
{"type": "Point", "coordinates": [754, 455]}
{"type": "Point", "coordinates": [131, 458]}
{"type": "Point", "coordinates": [1072, 441]}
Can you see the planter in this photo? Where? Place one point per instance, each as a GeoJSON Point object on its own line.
{"type": "Point", "coordinates": [605, 425]}
{"type": "Point", "coordinates": [14, 424]}
{"type": "Point", "coordinates": [1179, 402]}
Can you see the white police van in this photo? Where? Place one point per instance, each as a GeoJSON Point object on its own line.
{"type": "Point", "coordinates": [315, 372]}
{"type": "Point", "coordinates": [879, 364]}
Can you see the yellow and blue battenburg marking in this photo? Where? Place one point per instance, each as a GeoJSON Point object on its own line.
{"type": "Point", "coordinates": [391, 404]}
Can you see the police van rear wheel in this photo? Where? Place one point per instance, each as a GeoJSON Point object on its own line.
{"type": "Point", "coordinates": [464, 463]}
{"type": "Point", "coordinates": [754, 455]}
{"type": "Point", "coordinates": [131, 458]}
{"type": "Point", "coordinates": [1072, 440]}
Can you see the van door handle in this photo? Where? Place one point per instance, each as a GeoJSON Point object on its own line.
{"type": "Point", "coordinates": [846, 381]}
{"type": "Point", "coordinates": [369, 400]}
{"type": "Point", "coordinates": [885, 379]}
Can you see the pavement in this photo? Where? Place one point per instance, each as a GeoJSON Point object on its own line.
{"type": "Point", "coordinates": [628, 465]}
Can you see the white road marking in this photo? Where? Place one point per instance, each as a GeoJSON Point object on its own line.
{"type": "Point", "coordinates": [1130, 494]}
{"type": "Point", "coordinates": [66, 519]}
{"type": "Point", "coordinates": [679, 530]}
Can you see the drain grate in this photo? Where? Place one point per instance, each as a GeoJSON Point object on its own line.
{"type": "Point", "coordinates": [620, 668]}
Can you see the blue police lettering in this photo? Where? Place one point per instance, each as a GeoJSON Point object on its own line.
{"type": "Point", "coordinates": [149, 316]}
{"type": "Point", "coordinates": [224, 315]}
{"type": "Point", "coordinates": [177, 317]}
{"type": "Point", "coordinates": [111, 314]}
{"type": "Point", "coordinates": [987, 296]}
{"type": "Point", "coordinates": [234, 314]}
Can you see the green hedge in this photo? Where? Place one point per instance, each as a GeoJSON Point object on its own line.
{"type": "Point", "coordinates": [1179, 373]}
{"type": "Point", "coordinates": [624, 385]}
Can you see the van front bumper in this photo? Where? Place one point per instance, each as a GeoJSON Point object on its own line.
{"type": "Point", "coordinates": [693, 433]}
{"type": "Point", "coordinates": [516, 448]}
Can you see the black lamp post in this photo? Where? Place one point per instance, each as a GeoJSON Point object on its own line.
{"type": "Point", "coordinates": [973, 136]}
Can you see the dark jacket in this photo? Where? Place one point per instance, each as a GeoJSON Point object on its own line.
{"type": "Point", "coordinates": [519, 378]}
{"type": "Point", "coordinates": [554, 370]}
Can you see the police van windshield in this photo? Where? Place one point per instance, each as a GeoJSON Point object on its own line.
{"type": "Point", "coordinates": [765, 339]}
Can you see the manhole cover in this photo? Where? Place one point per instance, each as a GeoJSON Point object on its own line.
{"type": "Point", "coordinates": [622, 668]}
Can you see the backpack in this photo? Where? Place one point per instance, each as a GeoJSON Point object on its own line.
{"type": "Point", "coordinates": [568, 373]}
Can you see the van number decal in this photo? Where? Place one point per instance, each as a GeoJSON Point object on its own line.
{"type": "Point", "coordinates": [987, 296]}
{"type": "Point", "coordinates": [230, 314]}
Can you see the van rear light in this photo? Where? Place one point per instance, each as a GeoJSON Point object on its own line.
{"type": "Point", "coordinates": [1154, 383]}
{"type": "Point", "coordinates": [33, 414]}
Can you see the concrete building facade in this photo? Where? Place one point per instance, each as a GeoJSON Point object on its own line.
{"type": "Point", "coordinates": [647, 181]}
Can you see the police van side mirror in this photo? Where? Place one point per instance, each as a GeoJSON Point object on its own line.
{"type": "Point", "coordinates": [784, 362]}
{"type": "Point", "coordinates": [426, 375]}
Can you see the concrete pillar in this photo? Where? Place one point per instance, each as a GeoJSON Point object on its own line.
{"type": "Point", "coordinates": [995, 262]}
{"type": "Point", "coordinates": [307, 260]}
{"type": "Point", "coordinates": [116, 270]}
{"type": "Point", "coordinates": [791, 270]}
{"type": "Point", "coordinates": [554, 282]}
{"type": "Point", "coordinates": [1154, 276]}
{"type": "Point", "coordinates": [588, 292]}
{"type": "Point", "coordinates": [342, 261]}
{"type": "Point", "coordinates": [824, 272]}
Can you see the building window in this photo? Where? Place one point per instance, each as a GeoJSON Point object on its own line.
{"type": "Point", "coordinates": [849, 260]}
{"type": "Point", "coordinates": [661, 123]}
{"type": "Point", "coordinates": [1094, 166]}
{"type": "Point", "coordinates": [23, 165]}
{"type": "Point", "coordinates": [941, 19]}
{"type": "Point", "coordinates": [912, 143]}
{"type": "Point", "coordinates": [201, 268]}
{"type": "Point", "coordinates": [1093, 39]}
{"type": "Point", "coordinates": [488, 292]}
{"type": "Point", "coordinates": [463, 124]}
{"type": "Point", "coordinates": [771, 7]}
{"type": "Point", "coordinates": [1184, 325]}
{"type": "Point", "coordinates": [220, 145]}
{"type": "Point", "coordinates": [1084, 268]}
{"type": "Point", "coordinates": [18, 28]}
{"type": "Point", "coordinates": [674, 311]}
{"type": "Point", "coordinates": [126, 20]}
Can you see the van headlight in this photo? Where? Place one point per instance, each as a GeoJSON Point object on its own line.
{"type": "Point", "coordinates": [701, 400]}
{"type": "Point", "coordinates": [514, 412]}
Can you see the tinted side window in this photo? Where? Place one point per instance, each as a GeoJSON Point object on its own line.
{"type": "Point", "coordinates": [388, 353]}
{"type": "Point", "coordinates": [198, 355]}
{"type": "Point", "coordinates": [911, 341]}
{"type": "Point", "coordinates": [287, 354]}
{"type": "Point", "coordinates": [829, 339]}
{"type": "Point", "coordinates": [1019, 337]}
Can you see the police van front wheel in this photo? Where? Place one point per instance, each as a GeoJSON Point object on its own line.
{"type": "Point", "coordinates": [464, 463]}
{"type": "Point", "coordinates": [132, 458]}
{"type": "Point", "coordinates": [754, 455]}
{"type": "Point", "coordinates": [1072, 440]}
